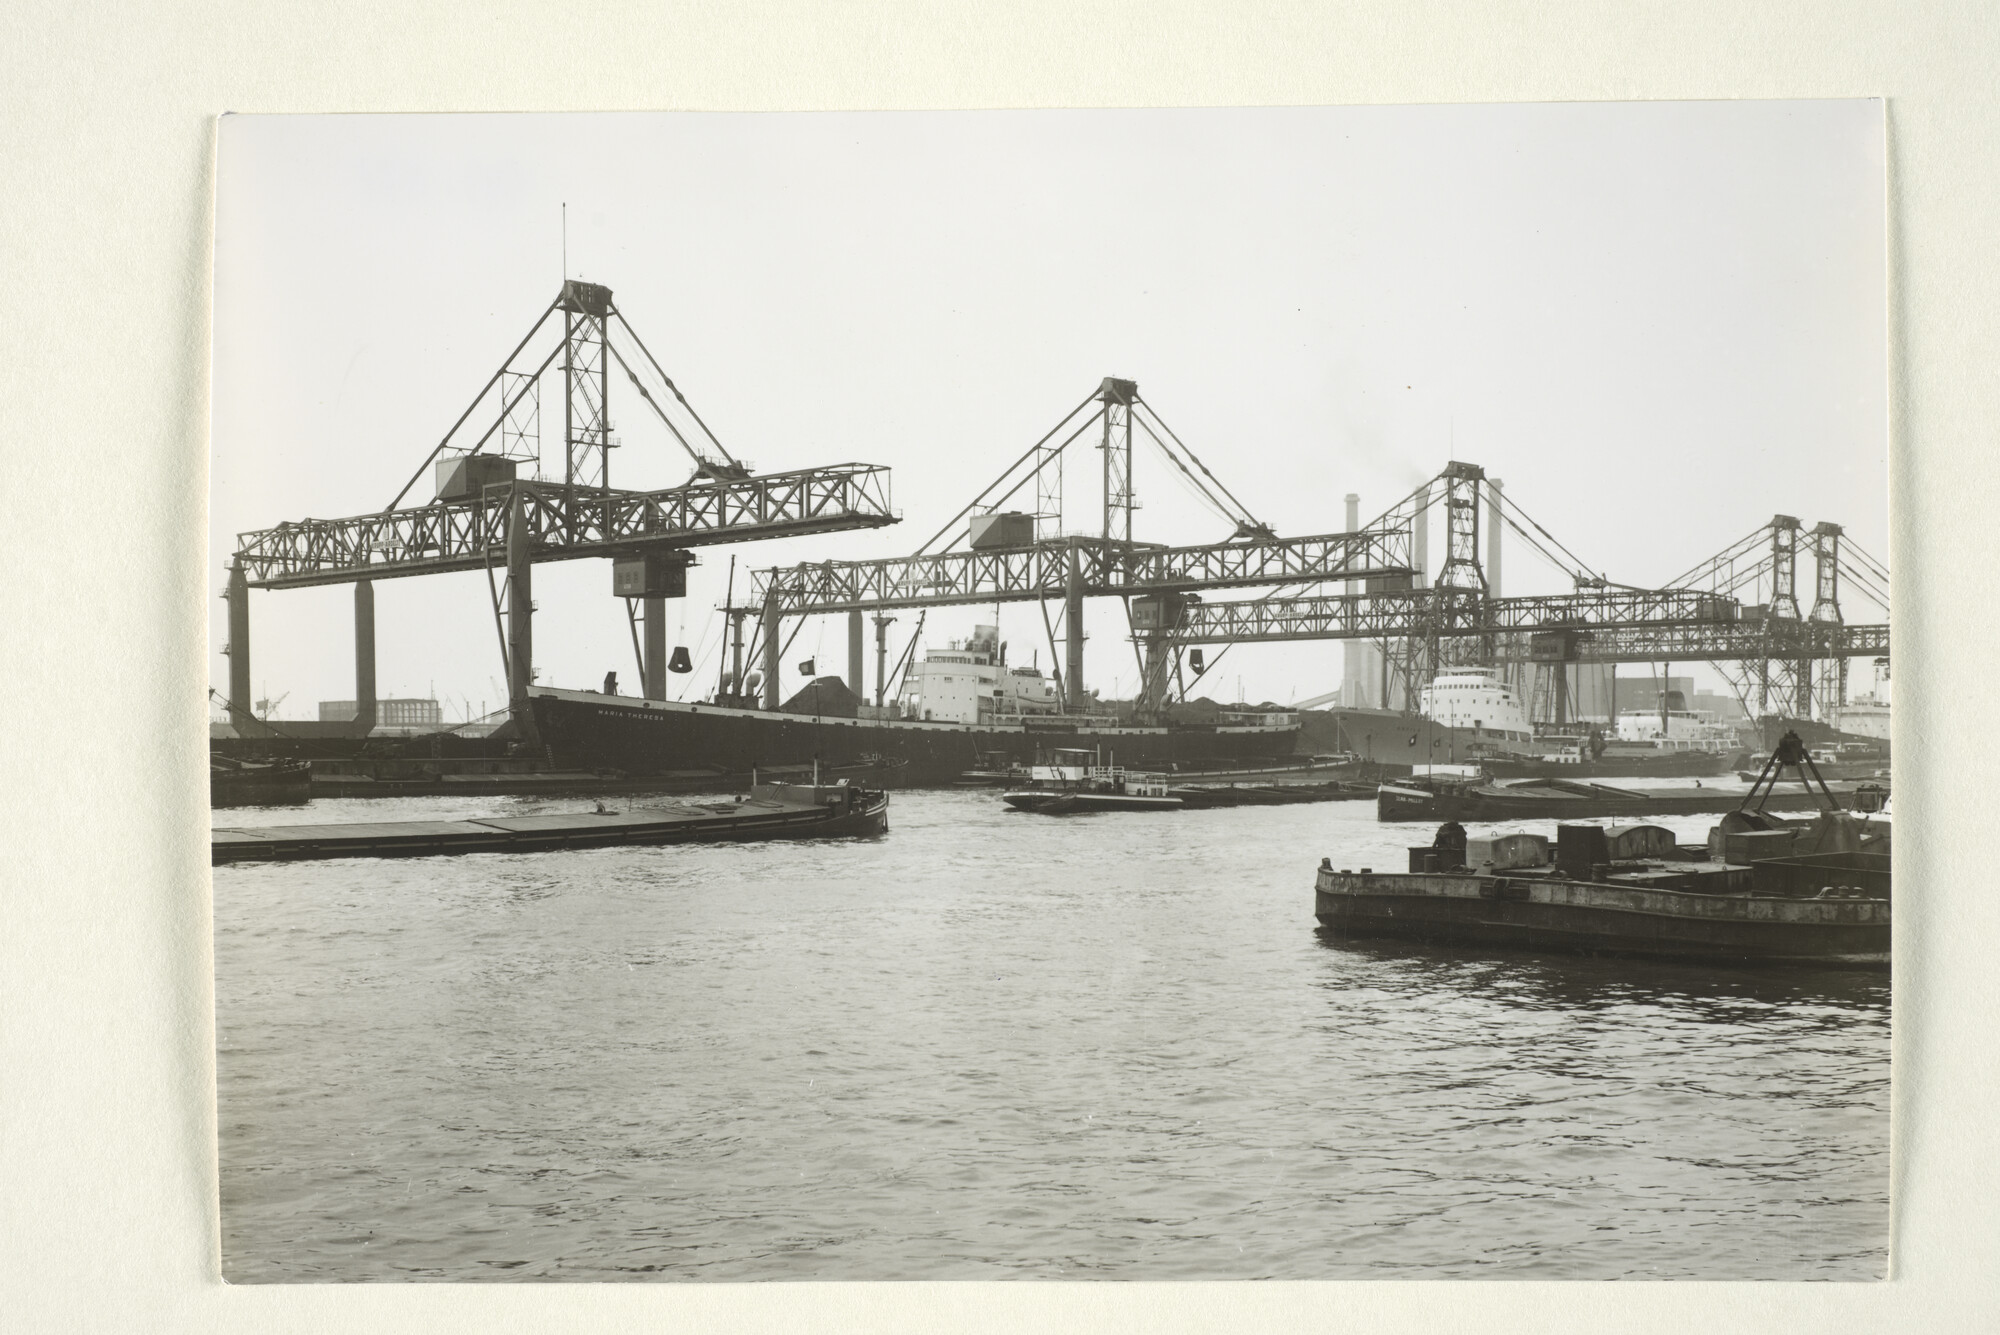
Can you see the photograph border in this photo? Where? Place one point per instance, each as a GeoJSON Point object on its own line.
{"type": "Point", "coordinates": [112, 1213]}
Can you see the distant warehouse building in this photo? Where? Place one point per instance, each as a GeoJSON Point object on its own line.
{"type": "Point", "coordinates": [388, 713]}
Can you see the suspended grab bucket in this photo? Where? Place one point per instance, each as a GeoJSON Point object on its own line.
{"type": "Point", "coordinates": [680, 662]}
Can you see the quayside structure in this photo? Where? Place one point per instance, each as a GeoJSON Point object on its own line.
{"type": "Point", "coordinates": [1369, 582]}
{"type": "Point", "coordinates": [503, 499]}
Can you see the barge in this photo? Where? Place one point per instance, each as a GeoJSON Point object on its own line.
{"type": "Point", "coordinates": [1070, 782]}
{"type": "Point", "coordinates": [1626, 890]}
{"type": "Point", "coordinates": [1481, 799]}
{"type": "Point", "coordinates": [769, 811]}
{"type": "Point", "coordinates": [528, 778]}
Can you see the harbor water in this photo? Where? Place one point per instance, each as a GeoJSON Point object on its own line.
{"type": "Point", "coordinates": [992, 1045]}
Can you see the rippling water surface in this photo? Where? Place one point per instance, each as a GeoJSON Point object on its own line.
{"type": "Point", "coordinates": [995, 1045]}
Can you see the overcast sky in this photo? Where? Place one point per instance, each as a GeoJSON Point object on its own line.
{"type": "Point", "coordinates": [1659, 323]}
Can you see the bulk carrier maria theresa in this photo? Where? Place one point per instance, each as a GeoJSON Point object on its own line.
{"type": "Point", "coordinates": [960, 708]}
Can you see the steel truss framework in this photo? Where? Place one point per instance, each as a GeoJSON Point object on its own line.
{"type": "Point", "coordinates": [1718, 644]}
{"type": "Point", "coordinates": [1767, 650]}
{"type": "Point", "coordinates": [1041, 571]}
{"type": "Point", "coordinates": [566, 524]}
{"type": "Point", "coordinates": [1455, 614]}
{"type": "Point", "coordinates": [581, 515]}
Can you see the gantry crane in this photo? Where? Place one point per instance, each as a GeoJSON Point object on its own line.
{"type": "Point", "coordinates": [1422, 624]}
{"type": "Point", "coordinates": [494, 509]}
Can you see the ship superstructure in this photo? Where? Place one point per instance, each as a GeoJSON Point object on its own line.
{"type": "Point", "coordinates": [1678, 730]}
{"type": "Point", "coordinates": [1481, 701]}
{"type": "Point", "coordinates": [971, 682]}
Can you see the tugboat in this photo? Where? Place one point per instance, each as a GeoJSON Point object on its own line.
{"type": "Point", "coordinates": [1763, 890]}
{"type": "Point", "coordinates": [1079, 781]}
{"type": "Point", "coordinates": [1073, 781]}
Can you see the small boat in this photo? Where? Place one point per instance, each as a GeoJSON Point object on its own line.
{"type": "Point", "coordinates": [1077, 781]}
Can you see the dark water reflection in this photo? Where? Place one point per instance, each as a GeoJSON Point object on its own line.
{"type": "Point", "coordinates": [1589, 980]}
{"type": "Point", "coordinates": [994, 1045]}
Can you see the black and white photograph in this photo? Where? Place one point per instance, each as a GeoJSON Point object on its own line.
{"type": "Point", "coordinates": [1188, 694]}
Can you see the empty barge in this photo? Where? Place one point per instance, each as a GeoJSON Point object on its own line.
{"type": "Point", "coordinates": [771, 811]}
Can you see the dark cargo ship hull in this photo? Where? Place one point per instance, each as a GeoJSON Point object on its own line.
{"type": "Point", "coordinates": [588, 731]}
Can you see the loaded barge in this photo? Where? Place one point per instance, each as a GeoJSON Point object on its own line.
{"type": "Point", "coordinates": [1621, 890]}
{"type": "Point", "coordinates": [1764, 889]}
{"type": "Point", "coordinates": [770, 811]}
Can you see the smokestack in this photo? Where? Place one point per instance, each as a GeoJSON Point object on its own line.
{"type": "Point", "coordinates": [1353, 653]}
{"type": "Point", "coordinates": [1493, 527]}
{"type": "Point", "coordinates": [1353, 525]}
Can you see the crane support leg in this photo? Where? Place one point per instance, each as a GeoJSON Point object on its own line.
{"type": "Point", "coordinates": [857, 648]}
{"type": "Point", "coordinates": [773, 627]}
{"type": "Point", "coordinates": [881, 657]}
{"type": "Point", "coordinates": [520, 620]}
{"type": "Point", "coordinates": [238, 598]}
{"type": "Point", "coordinates": [1073, 630]}
{"type": "Point", "coordinates": [364, 656]}
{"type": "Point", "coordinates": [1158, 665]}
{"type": "Point", "coordinates": [737, 693]}
{"type": "Point", "coordinates": [655, 685]}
